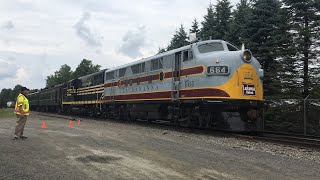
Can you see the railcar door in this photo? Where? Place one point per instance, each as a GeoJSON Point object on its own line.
{"type": "Point", "coordinates": [176, 76]}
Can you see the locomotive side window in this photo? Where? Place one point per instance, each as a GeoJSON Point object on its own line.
{"type": "Point", "coordinates": [138, 68]}
{"type": "Point", "coordinates": [156, 64]}
{"type": "Point", "coordinates": [167, 61]}
{"type": "Point", "coordinates": [210, 47]}
{"type": "Point", "coordinates": [109, 75]}
{"type": "Point", "coordinates": [190, 54]}
{"type": "Point", "coordinates": [122, 72]}
{"type": "Point", "coordinates": [232, 48]}
{"type": "Point", "coordinates": [98, 79]}
{"type": "Point", "coordinates": [160, 63]}
{"type": "Point", "coordinates": [87, 81]}
{"type": "Point", "coordinates": [187, 55]}
{"type": "Point", "coordinates": [143, 67]}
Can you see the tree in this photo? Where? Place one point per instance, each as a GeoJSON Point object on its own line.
{"type": "Point", "coordinates": [64, 74]}
{"type": "Point", "coordinates": [15, 92]}
{"type": "Point", "coordinates": [5, 96]}
{"type": "Point", "coordinates": [240, 15]}
{"type": "Point", "coordinates": [258, 33]}
{"type": "Point", "coordinates": [305, 25]}
{"type": "Point", "coordinates": [85, 67]}
{"type": "Point", "coordinates": [195, 27]}
{"type": "Point", "coordinates": [161, 50]}
{"type": "Point", "coordinates": [223, 17]}
{"type": "Point", "coordinates": [209, 24]}
{"type": "Point", "coordinates": [179, 39]}
{"type": "Point", "coordinates": [285, 52]}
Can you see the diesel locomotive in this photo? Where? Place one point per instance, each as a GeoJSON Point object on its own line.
{"type": "Point", "coordinates": [207, 84]}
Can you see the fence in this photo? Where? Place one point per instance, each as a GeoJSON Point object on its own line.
{"type": "Point", "coordinates": [294, 116]}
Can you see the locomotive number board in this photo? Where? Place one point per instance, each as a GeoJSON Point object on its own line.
{"type": "Point", "coordinates": [218, 70]}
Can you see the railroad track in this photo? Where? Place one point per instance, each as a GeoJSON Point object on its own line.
{"type": "Point", "coordinates": [305, 141]}
{"type": "Point", "coordinates": [58, 116]}
{"type": "Point", "coordinates": [278, 138]}
{"type": "Point", "coordinates": [287, 139]}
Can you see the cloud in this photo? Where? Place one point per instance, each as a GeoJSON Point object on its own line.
{"type": "Point", "coordinates": [7, 69]}
{"type": "Point", "coordinates": [133, 41]}
{"type": "Point", "coordinates": [85, 33]}
{"type": "Point", "coordinates": [8, 25]}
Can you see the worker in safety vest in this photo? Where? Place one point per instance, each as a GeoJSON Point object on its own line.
{"type": "Point", "coordinates": [22, 112]}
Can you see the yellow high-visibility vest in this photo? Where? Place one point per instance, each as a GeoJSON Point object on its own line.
{"type": "Point", "coordinates": [24, 103]}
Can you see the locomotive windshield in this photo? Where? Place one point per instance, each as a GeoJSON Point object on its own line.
{"type": "Point", "coordinates": [210, 47]}
{"type": "Point", "coordinates": [232, 48]}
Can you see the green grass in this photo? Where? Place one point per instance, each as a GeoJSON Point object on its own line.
{"type": "Point", "coordinates": [6, 113]}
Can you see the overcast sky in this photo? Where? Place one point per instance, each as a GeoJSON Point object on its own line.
{"type": "Point", "coordinates": [38, 36]}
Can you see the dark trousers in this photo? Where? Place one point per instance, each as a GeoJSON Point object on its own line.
{"type": "Point", "coordinates": [21, 122]}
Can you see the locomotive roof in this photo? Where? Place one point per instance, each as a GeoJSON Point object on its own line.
{"type": "Point", "coordinates": [36, 92]}
{"type": "Point", "coordinates": [162, 54]}
{"type": "Point", "coordinates": [101, 71]}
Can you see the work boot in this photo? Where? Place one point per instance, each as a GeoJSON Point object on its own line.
{"type": "Point", "coordinates": [15, 138]}
{"type": "Point", "coordinates": [23, 137]}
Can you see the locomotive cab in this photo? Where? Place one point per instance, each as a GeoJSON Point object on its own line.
{"type": "Point", "coordinates": [236, 77]}
{"type": "Point", "coordinates": [234, 71]}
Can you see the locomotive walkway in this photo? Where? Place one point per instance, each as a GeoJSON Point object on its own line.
{"type": "Point", "coordinates": [116, 150]}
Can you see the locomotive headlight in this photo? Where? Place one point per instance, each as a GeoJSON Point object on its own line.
{"type": "Point", "coordinates": [247, 56]}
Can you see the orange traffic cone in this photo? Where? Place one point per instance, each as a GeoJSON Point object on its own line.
{"type": "Point", "coordinates": [70, 124]}
{"type": "Point", "coordinates": [44, 126]}
{"type": "Point", "coordinates": [78, 122]}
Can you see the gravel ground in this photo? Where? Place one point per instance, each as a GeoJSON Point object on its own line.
{"type": "Point", "coordinates": [118, 150]}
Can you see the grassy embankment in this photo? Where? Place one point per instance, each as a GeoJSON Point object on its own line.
{"type": "Point", "coordinates": [6, 113]}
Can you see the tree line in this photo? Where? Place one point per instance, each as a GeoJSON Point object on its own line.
{"type": "Point", "coordinates": [9, 95]}
{"type": "Point", "coordinates": [64, 74]}
{"type": "Point", "coordinates": [282, 34]}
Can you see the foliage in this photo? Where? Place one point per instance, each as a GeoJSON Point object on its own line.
{"type": "Point", "coordinates": [161, 50]}
{"type": "Point", "coordinates": [209, 24]}
{"type": "Point", "coordinates": [284, 52]}
{"type": "Point", "coordinates": [258, 33]}
{"type": "Point", "coordinates": [5, 96]}
{"type": "Point", "coordinates": [15, 92]}
{"type": "Point", "coordinates": [239, 17]}
{"type": "Point", "coordinates": [9, 95]}
{"type": "Point", "coordinates": [305, 26]}
{"type": "Point", "coordinates": [282, 34]}
{"type": "Point", "coordinates": [287, 116]}
{"type": "Point", "coordinates": [223, 18]}
{"type": "Point", "coordinates": [64, 74]}
{"type": "Point", "coordinates": [284, 116]}
{"type": "Point", "coordinates": [195, 27]}
{"type": "Point", "coordinates": [85, 67]}
{"type": "Point", "coordinates": [179, 39]}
